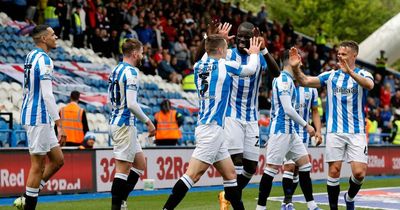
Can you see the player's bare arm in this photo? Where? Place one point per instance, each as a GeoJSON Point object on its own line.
{"type": "Point", "coordinates": [273, 67]}
{"type": "Point", "coordinates": [364, 82]}
{"type": "Point", "coordinates": [295, 63]}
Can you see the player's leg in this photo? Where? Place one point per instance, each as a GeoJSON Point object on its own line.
{"type": "Point", "coordinates": [195, 170]}
{"type": "Point", "coordinates": [234, 132]}
{"type": "Point", "coordinates": [334, 155]}
{"type": "Point", "coordinates": [357, 153]}
{"type": "Point", "coordinates": [137, 169]}
{"type": "Point", "coordinates": [287, 181]}
{"type": "Point", "coordinates": [278, 145]}
{"type": "Point", "coordinates": [41, 139]}
{"type": "Point", "coordinates": [124, 152]}
{"type": "Point", "coordinates": [232, 192]}
{"type": "Point", "coordinates": [208, 139]}
{"type": "Point", "coordinates": [251, 154]}
{"type": "Point", "coordinates": [56, 158]}
{"type": "Point", "coordinates": [298, 152]}
{"type": "Point", "coordinates": [33, 181]}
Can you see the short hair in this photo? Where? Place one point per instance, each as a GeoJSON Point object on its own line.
{"type": "Point", "coordinates": [246, 25]}
{"type": "Point", "coordinates": [131, 45]}
{"type": "Point", "coordinates": [75, 95]}
{"type": "Point", "coordinates": [285, 58]}
{"type": "Point", "coordinates": [350, 44]}
{"type": "Point", "coordinates": [38, 31]}
{"type": "Point", "coordinates": [213, 42]}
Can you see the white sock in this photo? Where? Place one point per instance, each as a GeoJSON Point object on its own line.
{"type": "Point", "coordinates": [311, 205]}
{"type": "Point", "coordinates": [42, 184]}
{"type": "Point", "coordinates": [348, 198]}
{"type": "Point", "coordinates": [260, 207]}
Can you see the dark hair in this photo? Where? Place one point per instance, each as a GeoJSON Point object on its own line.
{"type": "Point", "coordinates": [213, 42]}
{"type": "Point", "coordinates": [131, 45]}
{"type": "Point", "coordinates": [285, 57]}
{"type": "Point", "coordinates": [246, 25]}
{"type": "Point", "coordinates": [38, 31]}
{"type": "Point", "coordinates": [350, 44]}
{"type": "Point", "coordinates": [75, 95]}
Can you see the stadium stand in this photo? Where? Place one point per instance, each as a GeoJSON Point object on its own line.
{"type": "Point", "coordinates": [86, 69]}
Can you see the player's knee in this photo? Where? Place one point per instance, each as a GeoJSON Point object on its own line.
{"type": "Point", "coordinates": [196, 176]}
{"type": "Point", "coordinates": [334, 171]}
{"type": "Point", "coordinates": [237, 159]}
{"type": "Point", "coordinates": [250, 166]}
{"type": "Point", "coordinates": [359, 174]}
{"type": "Point", "coordinates": [59, 163]}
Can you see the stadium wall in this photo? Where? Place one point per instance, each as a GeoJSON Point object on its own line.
{"type": "Point", "coordinates": [93, 170]}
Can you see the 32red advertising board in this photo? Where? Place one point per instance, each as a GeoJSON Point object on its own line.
{"type": "Point", "coordinates": [75, 176]}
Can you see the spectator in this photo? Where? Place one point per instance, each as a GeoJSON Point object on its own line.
{"type": "Point", "coordinates": [148, 64]}
{"type": "Point", "coordinates": [74, 121]}
{"type": "Point", "coordinates": [166, 71]}
{"type": "Point", "coordinates": [385, 95]}
{"type": "Point", "coordinates": [167, 123]}
{"type": "Point", "coordinates": [77, 29]}
{"type": "Point", "coordinates": [375, 92]}
{"type": "Point", "coordinates": [88, 141]}
{"type": "Point", "coordinates": [321, 40]}
{"type": "Point", "coordinates": [181, 54]}
{"type": "Point", "coordinates": [395, 101]}
{"type": "Point", "coordinates": [132, 18]}
{"type": "Point", "coordinates": [386, 115]}
{"type": "Point", "coordinates": [262, 15]}
{"type": "Point", "coordinates": [188, 84]}
{"type": "Point", "coordinates": [51, 17]}
{"type": "Point", "coordinates": [389, 79]}
{"type": "Point", "coordinates": [395, 137]}
{"type": "Point", "coordinates": [288, 28]}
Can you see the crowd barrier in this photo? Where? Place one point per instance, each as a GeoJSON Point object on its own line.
{"type": "Point", "coordinates": [93, 170]}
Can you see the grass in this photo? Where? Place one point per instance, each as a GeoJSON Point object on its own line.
{"type": "Point", "coordinates": [198, 200]}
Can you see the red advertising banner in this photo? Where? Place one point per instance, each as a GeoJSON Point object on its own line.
{"type": "Point", "coordinates": [75, 176]}
{"type": "Point", "coordinates": [383, 161]}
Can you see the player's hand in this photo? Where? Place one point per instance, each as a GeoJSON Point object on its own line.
{"type": "Point", "coordinates": [344, 65]}
{"type": "Point", "coordinates": [310, 130]}
{"type": "Point", "coordinates": [62, 136]}
{"type": "Point", "coordinates": [318, 138]}
{"type": "Point", "coordinates": [254, 46]}
{"type": "Point", "coordinates": [151, 128]}
{"type": "Point", "coordinates": [213, 27]}
{"type": "Point", "coordinates": [223, 29]}
{"type": "Point", "coordinates": [294, 58]}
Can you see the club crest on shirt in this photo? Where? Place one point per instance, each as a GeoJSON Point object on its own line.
{"type": "Point", "coordinates": [307, 95]}
{"type": "Point", "coordinates": [285, 86]}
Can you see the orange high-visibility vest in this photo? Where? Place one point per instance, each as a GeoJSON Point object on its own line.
{"type": "Point", "coordinates": [71, 122]}
{"type": "Point", "coordinates": [167, 126]}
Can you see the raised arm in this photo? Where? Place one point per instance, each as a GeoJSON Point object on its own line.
{"type": "Point", "coordinates": [273, 67]}
{"type": "Point", "coordinates": [212, 28]}
{"type": "Point", "coordinates": [301, 78]}
{"type": "Point", "coordinates": [250, 68]}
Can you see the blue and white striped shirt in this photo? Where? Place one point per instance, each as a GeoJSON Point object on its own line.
{"type": "Point", "coordinates": [122, 78]}
{"type": "Point", "coordinates": [38, 66]}
{"type": "Point", "coordinates": [281, 122]}
{"type": "Point", "coordinates": [345, 101]}
{"type": "Point", "coordinates": [243, 104]}
{"type": "Point", "coordinates": [213, 80]}
{"type": "Point", "coordinates": [306, 98]}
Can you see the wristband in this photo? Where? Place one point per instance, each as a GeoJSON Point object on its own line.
{"type": "Point", "coordinates": [264, 51]}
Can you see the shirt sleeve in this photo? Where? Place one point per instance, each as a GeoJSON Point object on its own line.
{"type": "Point", "coordinates": [131, 96]}
{"type": "Point", "coordinates": [366, 74]}
{"type": "Point", "coordinates": [49, 100]}
{"type": "Point", "coordinates": [315, 97]}
{"type": "Point", "coordinates": [323, 77]}
{"type": "Point", "coordinates": [46, 68]}
{"type": "Point", "coordinates": [249, 69]}
{"type": "Point", "coordinates": [290, 111]}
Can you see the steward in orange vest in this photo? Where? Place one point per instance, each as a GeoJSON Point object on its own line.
{"type": "Point", "coordinates": [73, 121]}
{"type": "Point", "coordinates": [167, 123]}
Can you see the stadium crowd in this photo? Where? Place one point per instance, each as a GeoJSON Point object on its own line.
{"type": "Point", "coordinates": [172, 30]}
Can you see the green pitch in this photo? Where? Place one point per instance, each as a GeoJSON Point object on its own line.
{"type": "Point", "coordinates": [198, 200]}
